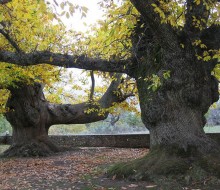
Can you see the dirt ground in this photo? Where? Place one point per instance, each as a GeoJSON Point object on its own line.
{"type": "Point", "coordinates": [83, 169]}
{"type": "Point", "coordinates": [77, 169]}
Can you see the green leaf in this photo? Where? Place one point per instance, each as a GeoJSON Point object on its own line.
{"type": "Point", "coordinates": [62, 5]}
{"type": "Point", "coordinates": [1, 17]}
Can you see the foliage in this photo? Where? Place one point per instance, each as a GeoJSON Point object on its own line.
{"type": "Point", "coordinates": [129, 122]}
{"type": "Point", "coordinates": [4, 94]}
{"type": "Point", "coordinates": [39, 34]}
{"type": "Point", "coordinates": [111, 38]}
{"type": "Point", "coordinates": [43, 31]}
{"type": "Point", "coordinates": [216, 71]}
{"type": "Point", "coordinates": [133, 120]}
{"type": "Point", "coordinates": [47, 34]}
{"type": "Point", "coordinates": [67, 129]}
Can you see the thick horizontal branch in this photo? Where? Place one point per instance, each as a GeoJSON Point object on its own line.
{"type": "Point", "coordinates": [64, 60]}
{"type": "Point", "coordinates": [78, 113]}
{"type": "Point", "coordinates": [73, 114]}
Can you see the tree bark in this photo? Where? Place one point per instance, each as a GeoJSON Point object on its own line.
{"type": "Point", "coordinates": [28, 117]}
{"type": "Point", "coordinates": [174, 115]}
{"type": "Point", "coordinates": [31, 116]}
{"type": "Point", "coordinates": [172, 107]}
{"type": "Point", "coordinates": [67, 61]}
{"type": "Point", "coordinates": [175, 118]}
{"type": "Point", "coordinates": [174, 110]}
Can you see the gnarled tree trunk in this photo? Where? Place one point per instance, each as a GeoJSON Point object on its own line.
{"type": "Point", "coordinates": [175, 92]}
{"type": "Point", "coordinates": [174, 113]}
{"type": "Point", "coordinates": [173, 107]}
{"type": "Point", "coordinates": [28, 117]}
{"type": "Point", "coordinates": [31, 115]}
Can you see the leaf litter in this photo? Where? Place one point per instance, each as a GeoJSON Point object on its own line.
{"type": "Point", "coordinates": [82, 168]}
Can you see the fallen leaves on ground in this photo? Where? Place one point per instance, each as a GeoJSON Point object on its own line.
{"type": "Point", "coordinates": [69, 170]}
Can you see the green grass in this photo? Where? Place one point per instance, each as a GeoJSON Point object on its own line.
{"type": "Point", "coordinates": [212, 129]}
{"type": "Point", "coordinates": [3, 148]}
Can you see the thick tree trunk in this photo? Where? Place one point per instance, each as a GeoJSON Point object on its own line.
{"type": "Point", "coordinates": [173, 122]}
{"type": "Point", "coordinates": [173, 107]}
{"type": "Point", "coordinates": [174, 112]}
{"type": "Point", "coordinates": [28, 117]}
{"type": "Point", "coordinates": [179, 148]}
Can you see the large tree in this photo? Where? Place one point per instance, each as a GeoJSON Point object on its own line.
{"type": "Point", "coordinates": [28, 111]}
{"type": "Point", "coordinates": [31, 116]}
{"type": "Point", "coordinates": [174, 50]}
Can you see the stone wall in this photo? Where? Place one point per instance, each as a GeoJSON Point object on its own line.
{"type": "Point", "coordinates": [119, 141]}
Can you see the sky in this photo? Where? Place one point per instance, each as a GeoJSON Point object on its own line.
{"type": "Point", "coordinates": [94, 14]}
{"type": "Point", "coordinates": [75, 22]}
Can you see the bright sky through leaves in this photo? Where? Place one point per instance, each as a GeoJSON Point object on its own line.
{"type": "Point", "coordinates": [77, 23]}
{"type": "Point", "coordinates": [81, 24]}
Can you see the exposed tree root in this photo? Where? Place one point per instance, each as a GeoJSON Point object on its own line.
{"type": "Point", "coordinates": [161, 166]}
{"type": "Point", "coordinates": [31, 149]}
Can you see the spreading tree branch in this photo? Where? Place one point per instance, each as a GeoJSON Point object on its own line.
{"type": "Point", "coordinates": [68, 61]}
{"type": "Point", "coordinates": [76, 114]}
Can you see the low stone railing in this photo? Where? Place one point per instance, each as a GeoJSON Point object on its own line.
{"type": "Point", "coordinates": [119, 141]}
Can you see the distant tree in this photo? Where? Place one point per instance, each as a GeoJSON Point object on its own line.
{"type": "Point", "coordinates": [213, 116]}
{"type": "Point", "coordinates": [120, 122]}
{"type": "Point", "coordinates": [133, 120]}
{"type": "Point", "coordinates": [4, 126]}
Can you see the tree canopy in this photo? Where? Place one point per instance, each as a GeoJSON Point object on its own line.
{"type": "Point", "coordinates": [37, 38]}
{"type": "Point", "coordinates": [110, 47]}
